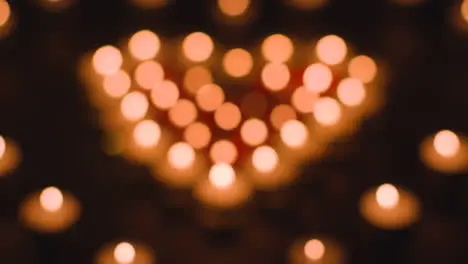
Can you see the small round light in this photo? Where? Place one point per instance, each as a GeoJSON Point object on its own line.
{"type": "Point", "coordinates": [181, 155]}
{"type": "Point", "coordinates": [222, 175]}
{"type": "Point", "coordinates": [107, 60]}
{"type": "Point", "coordinates": [317, 78]}
{"type": "Point", "coordinates": [265, 159]}
{"type": "Point", "coordinates": [198, 47]}
{"type": "Point", "coordinates": [51, 199]}
{"type": "Point", "coordinates": [144, 45]}
{"type": "Point", "coordinates": [277, 48]}
{"type": "Point", "coordinates": [331, 50]}
{"type": "Point", "coordinates": [387, 196]}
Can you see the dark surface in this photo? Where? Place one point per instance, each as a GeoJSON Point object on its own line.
{"type": "Point", "coordinates": [43, 106]}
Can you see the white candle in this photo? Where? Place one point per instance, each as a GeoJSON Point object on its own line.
{"type": "Point", "coordinates": [125, 253]}
{"type": "Point", "coordinates": [317, 250]}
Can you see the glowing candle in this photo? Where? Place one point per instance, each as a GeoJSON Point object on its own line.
{"type": "Point", "coordinates": [390, 207]}
{"type": "Point", "coordinates": [50, 210]}
{"type": "Point", "coordinates": [316, 250]}
{"type": "Point", "coordinates": [9, 156]}
{"type": "Point", "coordinates": [125, 253]}
{"type": "Point", "coordinates": [445, 152]}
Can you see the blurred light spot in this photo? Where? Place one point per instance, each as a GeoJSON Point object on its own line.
{"type": "Point", "coordinates": [275, 76]}
{"type": "Point", "coordinates": [181, 155]}
{"type": "Point", "coordinates": [223, 151]}
{"type": "Point", "coordinates": [362, 68]}
{"type": "Point", "coordinates": [327, 111]}
{"type": "Point", "coordinates": [144, 45]}
{"type": "Point", "coordinates": [228, 116]}
{"type": "Point", "coordinates": [303, 100]}
{"type": "Point", "coordinates": [5, 12]}
{"type": "Point", "coordinates": [124, 253]}
{"type": "Point", "coordinates": [314, 249]}
{"type": "Point", "coordinates": [446, 143]}
{"type": "Point", "coordinates": [51, 199]}
{"type": "Point", "coordinates": [196, 77]}
{"type": "Point", "coordinates": [254, 132]}
{"type": "Point", "coordinates": [351, 92]}
{"type": "Point", "coordinates": [117, 84]}
{"type": "Point", "coordinates": [183, 113]}
{"type": "Point", "coordinates": [198, 135]}
{"type": "Point", "coordinates": [222, 175]}
{"type": "Point", "coordinates": [317, 78]}
{"type": "Point", "coordinates": [387, 196]}
{"type": "Point", "coordinates": [147, 133]}
{"type": "Point", "coordinates": [198, 47]}
{"type": "Point", "coordinates": [331, 50]}
{"type": "Point", "coordinates": [107, 60]}
{"type": "Point", "coordinates": [281, 114]}
{"type": "Point", "coordinates": [254, 104]}
{"type": "Point", "coordinates": [264, 159]}
{"type": "Point", "coordinates": [134, 106]}
{"type": "Point", "coordinates": [277, 48]}
{"type": "Point", "coordinates": [294, 133]}
{"type": "Point", "coordinates": [237, 63]}
{"type": "Point", "coordinates": [165, 95]}
{"type": "Point", "coordinates": [148, 74]}
{"type": "Point", "coordinates": [233, 8]}
{"type": "Point", "coordinates": [209, 97]}
{"type": "Point", "coordinates": [2, 147]}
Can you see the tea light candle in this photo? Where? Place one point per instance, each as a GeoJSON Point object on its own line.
{"type": "Point", "coordinates": [125, 253]}
{"type": "Point", "coordinates": [50, 210]}
{"type": "Point", "coordinates": [389, 207]}
{"type": "Point", "coordinates": [9, 156]}
{"type": "Point", "coordinates": [445, 152]}
{"type": "Point", "coordinates": [315, 250]}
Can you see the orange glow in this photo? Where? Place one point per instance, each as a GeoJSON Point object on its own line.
{"type": "Point", "coordinates": [148, 74]}
{"type": "Point", "coordinates": [181, 155]}
{"type": "Point", "coordinates": [209, 97]}
{"type": "Point", "coordinates": [464, 10]}
{"type": "Point", "coordinates": [107, 60]}
{"type": "Point", "coordinates": [254, 132]}
{"type": "Point", "coordinates": [281, 114]}
{"type": "Point", "coordinates": [144, 45]}
{"type": "Point", "coordinates": [254, 104]}
{"type": "Point", "coordinates": [294, 133]}
{"type": "Point", "coordinates": [183, 113]}
{"type": "Point", "coordinates": [196, 77]}
{"type": "Point", "coordinates": [124, 253]}
{"type": "Point", "coordinates": [351, 92]}
{"type": "Point", "coordinates": [233, 8]}
{"type": "Point", "coordinates": [277, 48]}
{"type": "Point", "coordinates": [198, 135]}
{"type": "Point", "coordinates": [308, 4]}
{"type": "Point", "coordinates": [446, 143]}
{"type": "Point", "coordinates": [222, 175]}
{"type": "Point", "coordinates": [314, 249]}
{"type": "Point", "coordinates": [237, 63]}
{"type": "Point", "coordinates": [51, 199]}
{"type": "Point", "coordinates": [223, 151]}
{"type": "Point", "coordinates": [363, 68]}
{"type": "Point", "coordinates": [331, 50]}
{"type": "Point", "coordinates": [327, 111]}
{"type": "Point", "coordinates": [2, 147]}
{"type": "Point", "coordinates": [147, 133]}
{"type": "Point", "coordinates": [387, 196]}
{"type": "Point", "coordinates": [5, 12]}
{"type": "Point", "coordinates": [228, 116]}
{"type": "Point", "coordinates": [134, 106]}
{"type": "Point", "coordinates": [265, 159]}
{"type": "Point", "coordinates": [317, 78]}
{"type": "Point", "coordinates": [275, 76]}
{"type": "Point", "coordinates": [303, 100]}
{"type": "Point", "coordinates": [197, 47]}
{"type": "Point", "coordinates": [165, 95]}
{"type": "Point", "coordinates": [118, 84]}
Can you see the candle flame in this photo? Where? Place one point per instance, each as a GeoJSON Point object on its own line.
{"type": "Point", "coordinates": [124, 253]}
{"type": "Point", "coordinates": [387, 196]}
{"type": "Point", "coordinates": [446, 143]}
{"type": "Point", "coordinates": [2, 147]}
{"type": "Point", "coordinates": [314, 249]}
{"type": "Point", "coordinates": [51, 199]}
{"type": "Point", "coordinates": [222, 175]}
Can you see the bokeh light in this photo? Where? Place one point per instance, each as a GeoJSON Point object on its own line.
{"type": "Point", "coordinates": [233, 8]}
{"type": "Point", "coordinates": [118, 84]}
{"type": "Point", "coordinates": [181, 155]}
{"type": "Point", "coordinates": [294, 133]}
{"type": "Point", "coordinates": [281, 114]}
{"type": "Point", "coordinates": [107, 60]}
{"type": "Point", "coordinates": [209, 97]}
{"type": "Point", "coordinates": [197, 47]}
{"type": "Point", "coordinates": [124, 253]}
{"type": "Point", "coordinates": [148, 74]}
{"type": "Point", "coordinates": [196, 77]}
{"type": "Point", "coordinates": [222, 175]}
{"type": "Point", "coordinates": [2, 147]}
{"type": "Point", "coordinates": [277, 48]}
{"type": "Point", "coordinates": [5, 12]}
{"type": "Point", "coordinates": [464, 10]}
{"type": "Point", "coordinates": [147, 133]}
{"type": "Point", "coordinates": [317, 78]}
{"type": "Point", "coordinates": [351, 92]}
{"type": "Point", "coordinates": [331, 50]}
{"type": "Point", "coordinates": [51, 199]}
{"type": "Point", "coordinates": [303, 100]}
{"type": "Point", "coordinates": [314, 249]}
{"type": "Point", "coordinates": [134, 106]}
{"type": "Point", "coordinates": [237, 63]}
{"type": "Point", "coordinates": [254, 132]}
{"type": "Point", "coordinates": [446, 143]}
{"type": "Point", "coordinates": [275, 76]}
{"type": "Point", "coordinates": [228, 116]}
{"type": "Point", "coordinates": [265, 159]}
{"type": "Point", "coordinates": [362, 68]}
{"type": "Point", "coordinates": [183, 113]}
{"type": "Point", "coordinates": [198, 135]}
{"type": "Point", "coordinates": [165, 95]}
{"type": "Point", "coordinates": [144, 45]}
{"type": "Point", "coordinates": [387, 196]}
{"type": "Point", "coordinates": [327, 111]}
{"type": "Point", "coordinates": [223, 151]}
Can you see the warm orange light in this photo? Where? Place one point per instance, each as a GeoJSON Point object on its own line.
{"type": "Point", "coordinates": [223, 151]}
{"type": "Point", "coordinates": [148, 74]}
{"type": "Point", "coordinates": [314, 249]}
{"type": "Point", "coordinates": [387, 196]}
{"type": "Point", "coordinates": [2, 147]}
{"type": "Point", "coordinates": [5, 12]}
{"type": "Point", "coordinates": [277, 48]}
{"type": "Point", "coordinates": [198, 135]}
{"type": "Point", "coordinates": [165, 95]}
{"type": "Point", "coordinates": [181, 155]}
{"type": "Point", "coordinates": [308, 4]}
{"type": "Point", "coordinates": [362, 68]}
{"type": "Point", "coordinates": [233, 8]}
{"type": "Point", "coordinates": [134, 106]}
{"type": "Point", "coordinates": [254, 132]}
{"type": "Point", "coordinates": [147, 133]}
{"type": "Point", "coordinates": [150, 4]}
{"type": "Point", "coordinates": [107, 60]}
{"type": "Point", "coordinates": [331, 50]}
{"type": "Point", "coordinates": [275, 76]}
{"type": "Point", "coordinates": [303, 100]}
{"type": "Point", "coordinates": [144, 45]}
{"type": "Point", "coordinates": [294, 133]}
{"type": "Point", "coordinates": [464, 10]}
{"type": "Point", "coordinates": [51, 199]}
{"type": "Point", "coordinates": [351, 92]}
{"type": "Point", "coordinates": [446, 143]}
{"type": "Point", "coordinates": [317, 78]}
{"type": "Point", "coordinates": [281, 114]}
{"type": "Point", "coordinates": [327, 111]}
{"type": "Point", "coordinates": [237, 63]}
{"type": "Point", "coordinates": [183, 113]}
{"type": "Point", "coordinates": [124, 253]}
{"type": "Point", "coordinates": [118, 84]}
{"type": "Point", "coordinates": [265, 159]}
{"type": "Point", "coordinates": [196, 77]}
{"type": "Point", "coordinates": [228, 116]}
{"type": "Point", "coordinates": [222, 175]}
{"type": "Point", "coordinates": [209, 97]}
{"type": "Point", "coordinates": [197, 47]}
